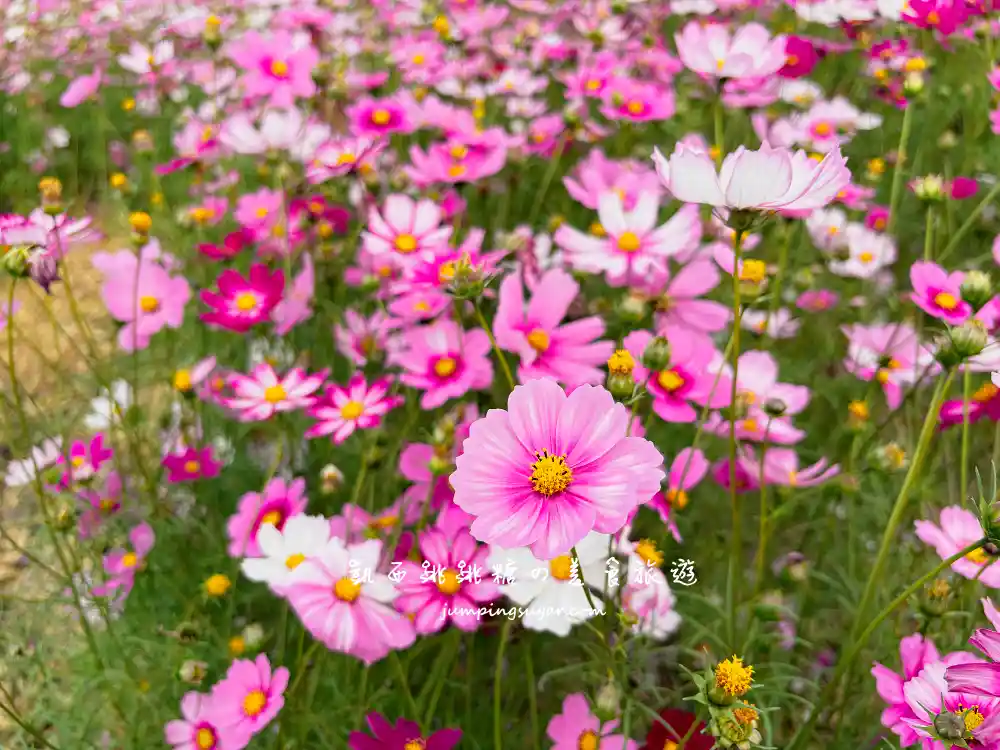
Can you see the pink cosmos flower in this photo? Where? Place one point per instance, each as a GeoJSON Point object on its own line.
{"type": "Point", "coordinates": [596, 175]}
{"type": "Point", "coordinates": [275, 505]}
{"type": "Point", "coordinates": [444, 361]}
{"type": "Point", "coordinates": [249, 696]}
{"type": "Point", "coordinates": [817, 300]}
{"type": "Point", "coordinates": [191, 464]}
{"type": "Point", "coordinates": [800, 58]}
{"type": "Point", "coordinates": [81, 89]}
{"type": "Point", "coordinates": [781, 467]}
{"type": "Point", "coordinates": [938, 293]}
{"type": "Point", "coordinates": [576, 727]}
{"type": "Point", "coordinates": [891, 354]}
{"type": "Point", "coordinates": [685, 380]}
{"type": "Point", "coordinates": [959, 528]}
{"type": "Point", "coordinates": [100, 505]}
{"type": "Point", "coordinates": [928, 694]}
{"type": "Point", "coordinates": [242, 303]}
{"type": "Point", "coordinates": [397, 736]}
{"type": "Point", "coordinates": [686, 472]}
{"type": "Point", "coordinates": [915, 652]}
{"type": "Point", "coordinates": [977, 678]}
{"type": "Point", "coordinates": [121, 565]}
{"type": "Point", "coordinates": [449, 585]}
{"type": "Point", "coordinates": [361, 338]}
{"type": "Point", "coordinates": [984, 404]}
{"type": "Point", "coordinates": [143, 60]}
{"type": "Point", "coordinates": [379, 117]}
{"type": "Point", "coordinates": [677, 299]}
{"type": "Point", "coordinates": [260, 211]}
{"type": "Point", "coordinates": [276, 66]}
{"type": "Point", "coordinates": [757, 383]}
{"type": "Point", "coordinates": [339, 157]}
{"type": "Point", "coordinates": [259, 395]}
{"type": "Point", "coordinates": [551, 468]}
{"type": "Point", "coordinates": [197, 730]}
{"type": "Point", "coordinates": [146, 302]}
{"type": "Point", "coordinates": [770, 179]}
{"type": "Point", "coordinates": [632, 246]}
{"type": "Point", "coordinates": [341, 411]}
{"type": "Point", "coordinates": [749, 53]}
{"type": "Point", "coordinates": [943, 16]}
{"type": "Point", "coordinates": [84, 460]}
{"type": "Point", "coordinates": [634, 101]}
{"type": "Point", "coordinates": [406, 229]}
{"type": "Point", "coordinates": [295, 306]}
{"type": "Point", "coordinates": [568, 353]}
{"type": "Point", "coordinates": [757, 426]}
{"type": "Point", "coordinates": [346, 603]}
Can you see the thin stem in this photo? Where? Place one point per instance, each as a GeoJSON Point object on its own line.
{"type": "Point", "coordinates": [929, 233]}
{"type": "Point", "coordinates": [489, 332]}
{"type": "Point", "coordinates": [897, 173]}
{"type": "Point", "coordinates": [404, 685]}
{"type": "Point", "coordinates": [762, 529]}
{"type": "Point", "coordinates": [963, 468]}
{"type": "Point", "coordinates": [687, 735]}
{"type": "Point", "coordinates": [583, 582]}
{"type": "Point", "coordinates": [550, 174]}
{"type": "Point", "coordinates": [720, 130]}
{"type": "Point", "coordinates": [529, 673]}
{"type": "Point", "coordinates": [735, 545]}
{"type": "Point", "coordinates": [772, 307]}
{"type": "Point", "coordinates": [967, 224]}
{"type": "Point", "coordinates": [498, 685]}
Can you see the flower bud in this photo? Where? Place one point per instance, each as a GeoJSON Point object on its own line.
{"type": "Point", "coordinates": [913, 84]}
{"type": "Point", "coordinates": [949, 726]}
{"type": "Point", "coordinates": [621, 386]}
{"type": "Point", "coordinates": [633, 308]}
{"type": "Point", "coordinates": [977, 289]}
{"type": "Point", "coordinates": [656, 355]}
{"type": "Point", "coordinates": [43, 268]}
{"type": "Point", "coordinates": [331, 479]}
{"type": "Point", "coordinates": [140, 222]}
{"type": "Point", "coordinates": [192, 672]}
{"type": "Point", "coordinates": [929, 188]}
{"type": "Point", "coordinates": [607, 702]}
{"type": "Point", "coordinates": [15, 261]}
{"type": "Point", "coordinates": [937, 598]}
{"type": "Point", "coordinates": [889, 458]}
{"type": "Point", "coordinates": [961, 343]}
{"type": "Point", "coordinates": [253, 635]}
{"type": "Point", "coordinates": [440, 466]}
{"type": "Point", "coordinates": [775, 407]}
{"type": "Point", "coordinates": [948, 140]}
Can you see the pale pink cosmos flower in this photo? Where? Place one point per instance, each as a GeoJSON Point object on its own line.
{"type": "Point", "coordinates": [278, 66]}
{"type": "Point", "coordinates": [959, 528]}
{"type": "Point", "coordinates": [686, 472]}
{"type": "Point", "coordinates": [196, 729]}
{"type": "Point", "coordinates": [341, 411]}
{"type": "Point", "coordinates": [569, 353]}
{"type": "Point", "coordinates": [576, 727]}
{"type": "Point", "coordinates": [261, 394]}
{"type": "Point", "coordinates": [596, 175]}
{"type": "Point", "coordinates": [750, 52]}
{"type": "Point", "coordinates": [349, 607]}
{"type": "Point", "coordinates": [929, 694]}
{"type": "Point", "coordinates": [868, 253]}
{"type": "Point", "coordinates": [295, 306]}
{"type": "Point", "coordinates": [406, 229]}
{"type": "Point", "coordinates": [279, 130]}
{"type": "Point", "coordinates": [552, 468]}
{"type": "Point", "coordinates": [145, 301]}
{"type": "Point", "coordinates": [890, 353]}
{"type": "Point", "coordinates": [757, 383]}
{"type": "Point", "coordinates": [915, 652]}
{"type": "Point", "coordinates": [677, 299]}
{"type": "Point", "coordinates": [826, 229]}
{"type": "Point", "coordinates": [757, 426]}
{"type": "Point", "coordinates": [449, 585]}
{"type": "Point", "coordinates": [633, 246]}
{"type": "Point", "coordinates": [249, 696]}
{"type": "Point", "coordinates": [278, 502]}
{"type": "Point", "coordinates": [380, 117]}
{"type": "Point", "coordinates": [939, 293]}
{"type": "Point", "coordinates": [634, 101]}
{"type": "Point", "coordinates": [770, 179]}
{"type": "Point", "coordinates": [343, 156]}
{"type": "Point", "coordinates": [781, 467]}
{"type": "Point", "coordinates": [81, 89]}
{"type": "Point", "coordinates": [121, 564]}
{"type": "Point", "coordinates": [975, 677]}
{"type": "Point", "coordinates": [444, 361]}
{"type": "Point", "coordinates": [360, 338]}
{"type": "Point", "coordinates": [648, 598]}
{"type": "Point", "coordinates": [142, 60]}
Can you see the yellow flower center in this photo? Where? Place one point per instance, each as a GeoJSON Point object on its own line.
{"type": "Point", "coordinates": [346, 590]}
{"type": "Point", "coordinates": [422, 306]}
{"type": "Point", "coordinates": [254, 703]}
{"type": "Point", "coordinates": [294, 561]}
{"type": "Point", "coordinates": [417, 744]}
{"type": "Point", "coordinates": [205, 739]}
{"type": "Point", "coordinates": [822, 129]}
{"type": "Point", "coordinates": [275, 394]}
{"type": "Point", "coordinates": [107, 504]}
{"type": "Point", "coordinates": [561, 568]}
{"type": "Point", "coordinates": [406, 243]}
{"type": "Point", "coordinates": [636, 107]}
{"type": "Point", "coordinates": [629, 242]}
{"type": "Point", "coordinates": [217, 585]}
{"type": "Point", "coordinates": [986, 393]}
{"type": "Point", "coordinates": [246, 301]}
{"type": "Point", "coordinates": [933, 18]}
{"type": "Point", "coordinates": [381, 117]}
{"type": "Point", "coordinates": [753, 271]}
{"type": "Point", "coordinates": [646, 550]}
{"type": "Point", "coordinates": [182, 380]}
{"type": "Point", "coordinates": [621, 363]}
{"type": "Point", "coordinates": [445, 367]}
{"type": "Point", "coordinates": [719, 63]}
{"type": "Point", "coordinates": [456, 170]}
{"type": "Point", "coordinates": [448, 583]}
{"type": "Point", "coordinates": [669, 380]}
{"type": "Point", "coordinates": [945, 301]}
{"type": "Point", "coordinates": [597, 230]}
{"type": "Point", "coordinates": [972, 718]}
{"type": "Point", "coordinates": [77, 461]}
{"type": "Point", "coordinates": [978, 556]}
{"type": "Point", "coordinates": [459, 152]}
{"type": "Point", "coordinates": [418, 59]}
{"type": "Point", "coordinates": [352, 410]}
{"type": "Point", "coordinates": [669, 745]}
{"type": "Point", "coordinates": [549, 474]}
{"type": "Point", "coordinates": [446, 272]}
{"type": "Point", "coordinates": [750, 425]}
{"type": "Point", "coordinates": [129, 560]}
{"type": "Point", "coordinates": [866, 257]}
{"type": "Point", "coordinates": [593, 84]}
{"type": "Point", "coordinates": [149, 304]}
{"type": "Point", "coordinates": [677, 498]}
{"type": "Point", "coordinates": [192, 467]}
{"type": "Point", "coordinates": [858, 410]}
{"type": "Point", "coordinates": [745, 716]}
{"type": "Point", "coordinates": [279, 68]}
{"type": "Point", "coordinates": [792, 60]}
{"type": "Point", "coordinates": [272, 517]}
{"type": "Point", "coordinates": [588, 741]}
{"type": "Point", "coordinates": [538, 340]}
{"type": "Point", "coordinates": [202, 214]}
{"type": "Point", "coordinates": [732, 677]}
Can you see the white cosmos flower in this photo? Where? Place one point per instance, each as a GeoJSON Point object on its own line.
{"type": "Point", "coordinates": [301, 538]}
{"type": "Point", "coordinates": [106, 407]}
{"type": "Point", "coordinates": [22, 472]}
{"type": "Point", "coordinates": [551, 600]}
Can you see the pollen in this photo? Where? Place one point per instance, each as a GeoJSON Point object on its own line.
{"type": "Point", "coordinates": [972, 718]}
{"type": "Point", "coordinates": [275, 394]}
{"type": "Point", "coordinates": [677, 498]}
{"type": "Point", "coordinates": [246, 301]}
{"type": "Point", "coordinates": [352, 410]}
{"type": "Point", "coordinates": [669, 380]}
{"type": "Point", "coordinates": [149, 304]}
{"type": "Point", "coordinates": [549, 474]}
{"type": "Point", "coordinates": [587, 741]}
{"type": "Point", "coordinates": [346, 590]}
{"type": "Point", "coordinates": [561, 568]}
{"type": "Point", "coordinates": [448, 583]}
{"type": "Point", "coordinates": [933, 18]}
{"type": "Point", "coordinates": [272, 517]}
{"type": "Point", "coordinates": [647, 551]}
{"type": "Point", "coordinates": [459, 152]}
{"type": "Point", "coordinates": [446, 272]}
{"type": "Point", "coordinates": [732, 677]}
{"type": "Point", "coordinates": [445, 367]}
{"type": "Point", "coordinates": [254, 703]}
{"type": "Point", "coordinates": [538, 340]}
{"type": "Point", "coordinates": [822, 129]}
{"type": "Point", "coordinates": [629, 242]}
{"type": "Point", "coordinates": [406, 243]}
{"type": "Point", "coordinates": [192, 467]}
{"type": "Point", "coordinates": [456, 170]}
{"type": "Point", "coordinates": [279, 68]}
{"type": "Point", "coordinates": [418, 59]}
{"type": "Point", "coordinates": [621, 363]}
{"type": "Point", "coordinates": [381, 117]}
{"type": "Point", "coordinates": [945, 301]}
{"type": "Point", "coordinates": [753, 271]}
{"type": "Point", "coordinates": [204, 739]}
{"type": "Point", "coordinates": [415, 744]}
{"type": "Point", "coordinates": [294, 561]}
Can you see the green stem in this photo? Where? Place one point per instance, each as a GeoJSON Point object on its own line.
{"type": "Point", "coordinates": [720, 130]}
{"type": "Point", "coordinates": [583, 582]}
{"type": "Point", "coordinates": [772, 307]}
{"type": "Point", "coordinates": [529, 673]}
{"type": "Point", "coordinates": [963, 466]}
{"type": "Point", "coordinates": [498, 685]}
{"type": "Point", "coordinates": [404, 685]}
{"type": "Point", "coordinates": [929, 233]}
{"type": "Point", "coordinates": [550, 174]}
{"type": "Point", "coordinates": [735, 545]}
{"type": "Point", "coordinates": [762, 529]}
{"type": "Point", "coordinates": [489, 332]}
{"type": "Point", "coordinates": [967, 224]}
{"type": "Point", "coordinates": [897, 172]}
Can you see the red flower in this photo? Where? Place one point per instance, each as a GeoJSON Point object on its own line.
{"type": "Point", "coordinates": [661, 738]}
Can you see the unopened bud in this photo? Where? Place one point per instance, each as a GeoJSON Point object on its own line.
{"type": "Point", "coordinates": [977, 289]}
{"type": "Point", "coordinates": [253, 635]}
{"type": "Point", "coordinates": [15, 261]}
{"type": "Point", "coordinates": [656, 355]}
{"type": "Point", "coordinates": [929, 188]}
{"type": "Point", "coordinates": [607, 702]}
{"type": "Point", "coordinates": [621, 386]}
{"type": "Point", "coordinates": [633, 308]}
{"type": "Point", "coordinates": [949, 726]}
{"type": "Point", "coordinates": [775, 407]}
{"type": "Point", "coordinates": [192, 672]}
{"type": "Point", "coordinates": [913, 83]}
{"type": "Point", "coordinates": [331, 479]}
{"type": "Point", "coordinates": [961, 343]}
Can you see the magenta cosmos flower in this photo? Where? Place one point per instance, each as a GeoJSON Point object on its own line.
{"type": "Point", "coordinates": [275, 66]}
{"type": "Point", "coordinates": [980, 678]}
{"type": "Point", "coordinates": [242, 303]}
{"type": "Point", "coordinates": [341, 411]}
{"type": "Point", "coordinates": [959, 528]}
{"type": "Point", "coordinates": [379, 117]}
{"type": "Point", "coordinates": [568, 353]}
{"type": "Point", "coordinates": [403, 735]}
{"type": "Point", "coordinates": [939, 293]}
{"type": "Point", "coordinates": [275, 505]}
{"type": "Point", "coordinates": [445, 362]}
{"type": "Point", "coordinates": [552, 468]}
{"type": "Point", "coordinates": [984, 404]}
{"type": "Point", "coordinates": [191, 464]}
{"type": "Point", "coordinates": [576, 727]}
{"type": "Point", "coordinates": [121, 564]}
{"type": "Point", "coordinates": [769, 179]}
{"type": "Point", "coordinates": [405, 229]}
{"type": "Point", "coordinates": [447, 586]}
{"type": "Point", "coordinates": [249, 696]}
{"type": "Point", "coordinates": [196, 730]}
{"type": "Point", "coordinates": [261, 394]}
{"type": "Point", "coordinates": [346, 603]}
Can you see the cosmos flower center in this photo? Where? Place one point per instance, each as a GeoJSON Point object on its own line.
{"type": "Point", "coordinates": [279, 68]}
{"type": "Point", "coordinates": [294, 561]}
{"type": "Point", "coordinates": [446, 272]}
{"type": "Point", "coordinates": [352, 410]}
{"type": "Point", "coordinates": [978, 556]}
{"type": "Point", "coordinates": [933, 18]}
{"type": "Point", "coordinates": [204, 738]}
{"type": "Point", "coordinates": [793, 478]}
{"type": "Point", "coordinates": [346, 590]}
{"type": "Point", "coordinates": [261, 212]}
{"type": "Point", "coordinates": [381, 117]}
{"type": "Point", "coordinates": [182, 380]}
{"type": "Point", "coordinates": [669, 380]}
{"type": "Point", "coordinates": [149, 304]}
{"type": "Point", "coordinates": [972, 718]}
{"type": "Point", "coordinates": [866, 257]}
{"type": "Point", "coordinates": [945, 301]}
{"type": "Point", "coordinates": [588, 741]}
{"type": "Point", "coordinates": [719, 63]}
{"type": "Point", "coordinates": [597, 229]}
{"type": "Point", "coordinates": [753, 271]}
{"type": "Point", "coordinates": [822, 129]}
{"type": "Point", "coordinates": [129, 560]}
{"type": "Point", "coordinates": [561, 568]}
{"type": "Point", "coordinates": [459, 152]}
{"type": "Point", "coordinates": [792, 60]}
{"type": "Point", "coordinates": [272, 517]}
{"type": "Point", "coordinates": [539, 340]}
{"type": "Point", "coordinates": [77, 461]}
{"type": "Point", "coordinates": [549, 474]}
{"type": "Point", "coordinates": [456, 170]}
{"type": "Point", "coordinates": [629, 242]}
{"type": "Point", "coordinates": [647, 552]}
{"type": "Point", "coordinates": [107, 504]}
{"type": "Point", "coordinates": [275, 394]}
{"type": "Point", "coordinates": [669, 745]}
{"type": "Point", "coordinates": [749, 425]}
{"type": "Point", "coordinates": [345, 159]}
{"type": "Point", "coordinates": [445, 367]}
{"type": "Point", "coordinates": [593, 84]}
{"type": "Point", "coordinates": [406, 243]}
{"type": "Point", "coordinates": [418, 59]}
{"type": "Point", "coordinates": [448, 583]}
{"type": "Point", "coordinates": [636, 107]}
{"type": "Point", "coordinates": [192, 466]}
{"type": "Point", "coordinates": [987, 392]}
{"type": "Point", "coordinates": [417, 744]}
{"type": "Point", "coordinates": [254, 703]}
{"type": "Point", "coordinates": [246, 301]}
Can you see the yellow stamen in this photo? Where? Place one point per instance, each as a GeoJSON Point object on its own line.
{"type": "Point", "coordinates": [561, 568]}
{"type": "Point", "coordinates": [254, 703]}
{"type": "Point", "coordinates": [406, 243]}
{"type": "Point", "coordinates": [352, 410]}
{"type": "Point", "coordinates": [629, 242]}
{"type": "Point", "coordinates": [538, 340]}
{"type": "Point", "coordinates": [448, 583]}
{"type": "Point", "coordinates": [347, 590]}
{"type": "Point", "coordinates": [549, 474]}
{"type": "Point", "coordinates": [445, 367]}
{"type": "Point", "coordinates": [275, 394]}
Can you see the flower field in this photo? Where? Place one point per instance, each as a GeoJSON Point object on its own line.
{"type": "Point", "coordinates": [499, 374]}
